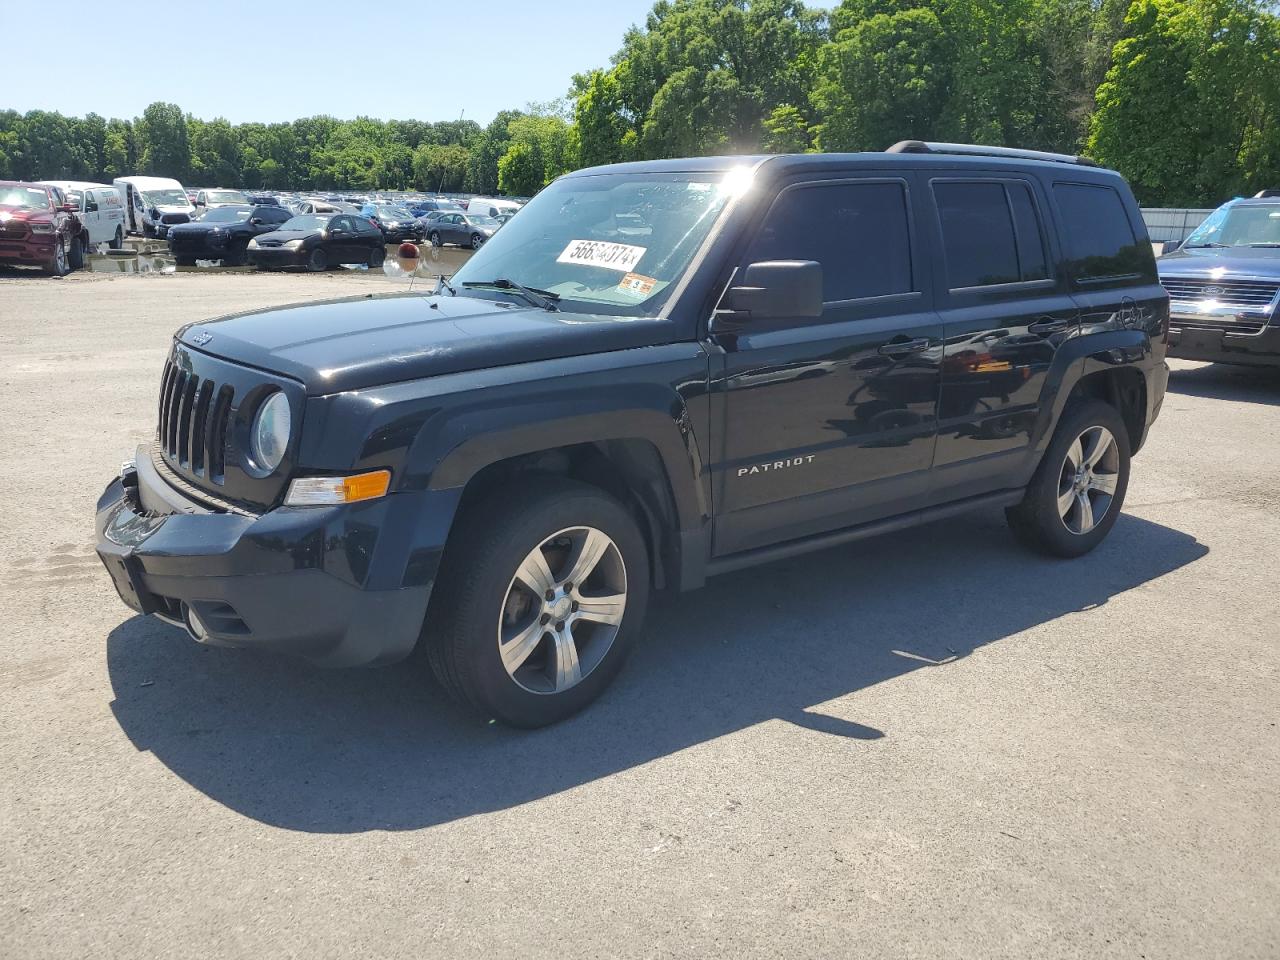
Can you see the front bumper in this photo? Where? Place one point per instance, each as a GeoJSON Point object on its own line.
{"type": "Point", "coordinates": [277, 257]}
{"type": "Point", "coordinates": [31, 251]}
{"type": "Point", "coordinates": [304, 581]}
{"type": "Point", "coordinates": [1203, 342]}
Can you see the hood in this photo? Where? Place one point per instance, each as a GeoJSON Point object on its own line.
{"type": "Point", "coordinates": [1219, 262]}
{"type": "Point", "coordinates": [26, 216]}
{"type": "Point", "coordinates": [361, 342]}
{"type": "Point", "coordinates": [284, 236]}
{"type": "Point", "coordinates": [199, 226]}
{"type": "Point", "coordinates": [171, 207]}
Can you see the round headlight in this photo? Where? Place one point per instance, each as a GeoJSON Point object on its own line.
{"type": "Point", "coordinates": [269, 437]}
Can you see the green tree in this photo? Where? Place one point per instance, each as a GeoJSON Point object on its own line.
{"type": "Point", "coordinates": [166, 149]}
{"type": "Point", "coordinates": [520, 170]}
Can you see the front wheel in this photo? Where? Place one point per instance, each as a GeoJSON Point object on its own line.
{"type": "Point", "coordinates": [318, 260]}
{"type": "Point", "coordinates": [57, 265]}
{"type": "Point", "coordinates": [1076, 494]}
{"type": "Point", "coordinates": [435, 238]}
{"type": "Point", "coordinates": [542, 596]}
{"type": "Point", "coordinates": [477, 241]}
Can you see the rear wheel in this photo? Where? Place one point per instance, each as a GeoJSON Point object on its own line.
{"type": "Point", "coordinates": [377, 255]}
{"type": "Point", "coordinates": [1075, 497]}
{"type": "Point", "coordinates": [185, 261]}
{"type": "Point", "coordinates": [318, 260]}
{"type": "Point", "coordinates": [541, 598]}
{"type": "Point", "coordinates": [237, 256]}
{"type": "Point", "coordinates": [148, 231]}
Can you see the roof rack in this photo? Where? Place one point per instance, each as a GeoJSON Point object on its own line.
{"type": "Point", "coordinates": [1266, 194]}
{"type": "Point", "coordinates": [978, 150]}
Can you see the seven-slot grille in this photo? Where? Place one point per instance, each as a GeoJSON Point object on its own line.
{"type": "Point", "coordinates": [194, 417]}
{"type": "Point", "coordinates": [1247, 294]}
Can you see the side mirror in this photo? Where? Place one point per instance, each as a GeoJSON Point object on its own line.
{"type": "Point", "coordinates": [775, 290]}
{"type": "Point", "coordinates": [68, 208]}
{"type": "Point", "coordinates": [198, 203]}
{"type": "Point", "coordinates": [91, 207]}
{"type": "Point", "coordinates": [256, 221]}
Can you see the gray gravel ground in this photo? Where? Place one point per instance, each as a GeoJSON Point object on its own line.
{"type": "Point", "coordinates": [934, 745]}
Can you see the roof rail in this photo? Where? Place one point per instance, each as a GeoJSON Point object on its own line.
{"type": "Point", "coordinates": [1266, 194]}
{"type": "Point", "coordinates": [978, 150]}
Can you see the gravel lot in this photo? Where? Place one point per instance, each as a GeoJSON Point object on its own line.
{"type": "Point", "coordinates": [934, 745]}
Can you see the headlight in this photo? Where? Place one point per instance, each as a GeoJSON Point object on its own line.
{"type": "Point", "coordinates": [253, 243]}
{"type": "Point", "coordinates": [38, 227]}
{"type": "Point", "coordinates": [269, 436]}
{"type": "Point", "coordinates": [293, 244]}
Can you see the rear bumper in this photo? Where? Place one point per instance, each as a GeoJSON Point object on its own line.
{"type": "Point", "coordinates": [335, 585]}
{"type": "Point", "coordinates": [1224, 346]}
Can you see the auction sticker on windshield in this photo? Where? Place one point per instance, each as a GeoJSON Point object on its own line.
{"type": "Point", "coordinates": [597, 253]}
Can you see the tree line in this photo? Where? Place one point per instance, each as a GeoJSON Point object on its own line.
{"type": "Point", "coordinates": [1182, 96]}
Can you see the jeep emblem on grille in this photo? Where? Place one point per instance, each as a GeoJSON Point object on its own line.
{"type": "Point", "coordinates": [201, 338]}
{"type": "Point", "coordinates": [1213, 291]}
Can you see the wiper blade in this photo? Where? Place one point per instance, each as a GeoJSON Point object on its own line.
{"type": "Point", "coordinates": [539, 298]}
{"type": "Point", "coordinates": [1264, 244]}
{"type": "Point", "coordinates": [1197, 246]}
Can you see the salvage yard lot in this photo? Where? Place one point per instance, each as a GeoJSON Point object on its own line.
{"type": "Point", "coordinates": [929, 745]}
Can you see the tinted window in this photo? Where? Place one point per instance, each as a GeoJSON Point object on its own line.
{"type": "Point", "coordinates": [857, 231]}
{"type": "Point", "coordinates": [977, 234]}
{"type": "Point", "coordinates": [1099, 237]}
{"type": "Point", "coordinates": [1033, 264]}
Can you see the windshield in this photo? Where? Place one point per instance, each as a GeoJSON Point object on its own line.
{"type": "Point", "coordinates": [226, 215]}
{"type": "Point", "coordinates": [74, 197]}
{"type": "Point", "coordinates": [225, 196]}
{"type": "Point", "coordinates": [482, 221]}
{"type": "Point", "coordinates": [1239, 225]}
{"type": "Point", "coordinates": [165, 198]}
{"type": "Point", "coordinates": [25, 198]}
{"type": "Point", "coordinates": [613, 243]}
{"type": "Point", "coordinates": [305, 223]}
{"type": "Point", "coordinates": [393, 213]}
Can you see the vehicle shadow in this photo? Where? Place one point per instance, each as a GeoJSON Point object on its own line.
{"type": "Point", "coordinates": [348, 751]}
{"type": "Point", "coordinates": [1221, 381]}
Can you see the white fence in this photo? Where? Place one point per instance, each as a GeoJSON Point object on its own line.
{"type": "Point", "coordinates": [1167, 223]}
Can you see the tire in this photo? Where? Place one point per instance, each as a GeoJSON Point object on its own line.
{"type": "Point", "coordinates": [477, 241]}
{"type": "Point", "coordinates": [435, 239]}
{"type": "Point", "coordinates": [75, 256]}
{"type": "Point", "coordinates": [185, 261]}
{"type": "Point", "coordinates": [481, 597]}
{"type": "Point", "coordinates": [237, 256]}
{"type": "Point", "coordinates": [376, 256]}
{"type": "Point", "coordinates": [118, 241]}
{"type": "Point", "coordinates": [1051, 517]}
{"type": "Point", "coordinates": [148, 231]}
{"type": "Point", "coordinates": [57, 266]}
{"type": "Point", "coordinates": [318, 260]}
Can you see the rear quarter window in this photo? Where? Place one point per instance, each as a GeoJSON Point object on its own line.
{"type": "Point", "coordinates": [1100, 240]}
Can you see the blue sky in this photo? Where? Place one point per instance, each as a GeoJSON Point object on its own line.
{"type": "Point", "coordinates": [268, 60]}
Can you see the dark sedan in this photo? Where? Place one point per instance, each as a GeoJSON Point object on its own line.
{"type": "Point", "coordinates": [462, 229]}
{"type": "Point", "coordinates": [397, 223]}
{"type": "Point", "coordinates": [223, 233]}
{"type": "Point", "coordinates": [319, 241]}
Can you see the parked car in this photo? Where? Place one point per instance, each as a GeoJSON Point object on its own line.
{"type": "Point", "coordinates": [263, 199]}
{"type": "Point", "coordinates": [220, 197]}
{"type": "Point", "coordinates": [223, 233]}
{"type": "Point", "coordinates": [490, 206]}
{"type": "Point", "coordinates": [100, 209]}
{"type": "Point", "coordinates": [319, 241]}
{"type": "Point", "coordinates": [1224, 281]}
{"type": "Point", "coordinates": [462, 229]}
{"type": "Point", "coordinates": [506, 468]}
{"type": "Point", "coordinates": [153, 205]}
{"type": "Point", "coordinates": [313, 205]}
{"type": "Point", "coordinates": [420, 208]}
{"type": "Point", "coordinates": [397, 223]}
{"type": "Point", "coordinates": [39, 228]}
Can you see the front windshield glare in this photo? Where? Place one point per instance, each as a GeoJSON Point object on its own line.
{"type": "Point", "coordinates": [305, 222]}
{"type": "Point", "coordinates": [226, 196]}
{"type": "Point", "coordinates": [166, 198]}
{"type": "Point", "coordinates": [1239, 225]}
{"type": "Point", "coordinates": [26, 198]}
{"type": "Point", "coordinates": [612, 243]}
{"type": "Point", "coordinates": [227, 215]}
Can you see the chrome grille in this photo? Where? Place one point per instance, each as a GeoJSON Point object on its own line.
{"type": "Point", "coordinates": [194, 416]}
{"type": "Point", "coordinates": [1246, 294]}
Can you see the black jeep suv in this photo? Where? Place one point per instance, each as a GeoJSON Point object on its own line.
{"type": "Point", "coordinates": [658, 372]}
{"type": "Point", "coordinates": [1224, 281]}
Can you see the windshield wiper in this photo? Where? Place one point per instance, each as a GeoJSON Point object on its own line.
{"type": "Point", "coordinates": [1212, 243]}
{"type": "Point", "coordinates": [539, 298]}
{"type": "Point", "coordinates": [1268, 244]}
{"type": "Point", "coordinates": [443, 281]}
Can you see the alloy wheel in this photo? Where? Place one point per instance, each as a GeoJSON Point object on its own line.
{"type": "Point", "coordinates": [562, 610]}
{"type": "Point", "coordinates": [1089, 479]}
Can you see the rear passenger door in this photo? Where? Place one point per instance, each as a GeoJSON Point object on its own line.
{"type": "Point", "coordinates": [830, 423]}
{"type": "Point", "coordinates": [1005, 308]}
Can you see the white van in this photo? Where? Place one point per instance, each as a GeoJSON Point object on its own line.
{"type": "Point", "coordinates": [153, 204]}
{"type": "Point", "coordinates": [100, 209]}
{"type": "Point", "coordinates": [490, 206]}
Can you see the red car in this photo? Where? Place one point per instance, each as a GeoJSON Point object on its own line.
{"type": "Point", "coordinates": [39, 228]}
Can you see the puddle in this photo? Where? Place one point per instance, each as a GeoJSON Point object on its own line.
{"type": "Point", "coordinates": [152, 256]}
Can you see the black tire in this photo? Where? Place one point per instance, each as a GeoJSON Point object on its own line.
{"type": "Point", "coordinates": [57, 265]}
{"type": "Point", "coordinates": [185, 261]}
{"type": "Point", "coordinates": [75, 256]}
{"type": "Point", "coordinates": [148, 231]}
{"type": "Point", "coordinates": [237, 256]}
{"type": "Point", "coordinates": [486, 548]}
{"type": "Point", "coordinates": [435, 239]}
{"type": "Point", "coordinates": [477, 241]}
{"type": "Point", "coordinates": [376, 256]}
{"type": "Point", "coordinates": [118, 241]}
{"type": "Point", "coordinates": [318, 260]}
{"type": "Point", "coordinates": [1038, 520]}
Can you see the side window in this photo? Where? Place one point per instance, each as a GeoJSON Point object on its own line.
{"type": "Point", "coordinates": [340, 223]}
{"type": "Point", "coordinates": [90, 200]}
{"type": "Point", "coordinates": [1033, 262]}
{"type": "Point", "coordinates": [1100, 240]}
{"type": "Point", "coordinates": [276, 215]}
{"type": "Point", "coordinates": [859, 232]}
{"type": "Point", "coordinates": [977, 234]}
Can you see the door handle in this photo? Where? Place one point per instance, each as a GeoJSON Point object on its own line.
{"type": "Point", "coordinates": [1047, 326]}
{"type": "Point", "coordinates": [901, 348]}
